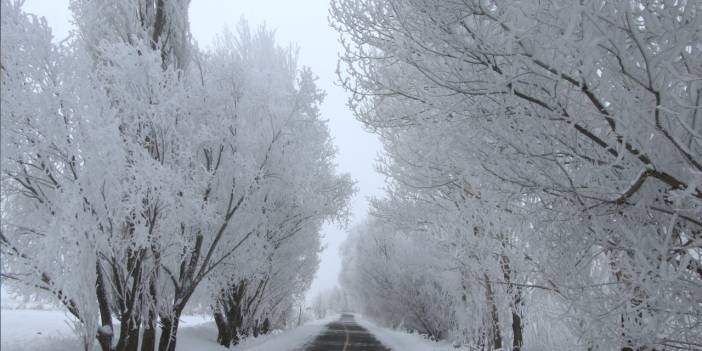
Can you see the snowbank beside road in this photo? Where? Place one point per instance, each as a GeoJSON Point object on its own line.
{"type": "Point", "coordinates": [43, 330]}
{"type": "Point", "coordinates": [203, 338]}
{"type": "Point", "coordinates": [36, 330]}
{"type": "Point", "coordinates": [402, 341]}
{"type": "Point", "coordinates": [50, 330]}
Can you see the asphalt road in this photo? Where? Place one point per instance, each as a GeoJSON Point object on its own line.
{"type": "Point", "coordinates": [345, 335]}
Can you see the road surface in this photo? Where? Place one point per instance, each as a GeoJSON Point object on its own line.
{"type": "Point", "coordinates": [345, 335]}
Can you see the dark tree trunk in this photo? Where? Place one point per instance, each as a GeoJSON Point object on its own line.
{"type": "Point", "coordinates": [236, 335]}
{"type": "Point", "coordinates": [494, 325]}
{"type": "Point", "coordinates": [129, 333]}
{"type": "Point", "coordinates": [255, 329]}
{"type": "Point", "coordinates": [105, 340]}
{"type": "Point", "coordinates": [148, 340]}
{"type": "Point", "coordinates": [130, 315]}
{"type": "Point", "coordinates": [517, 340]}
{"type": "Point", "coordinates": [169, 331]}
{"type": "Point", "coordinates": [133, 341]}
{"type": "Point", "coordinates": [517, 332]}
{"type": "Point", "coordinates": [229, 314]}
{"type": "Point", "coordinates": [106, 331]}
{"type": "Point", "coordinates": [266, 327]}
{"type": "Point", "coordinates": [224, 335]}
{"type": "Point", "coordinates": [123, 335]}
{"type": "Point", "coordinates": [235, 319]}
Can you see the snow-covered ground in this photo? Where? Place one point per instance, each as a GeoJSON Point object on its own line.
{"type": "Point", "coordinates": [50, 330]}
{"type": "Point", "coordinates": [288, 340]}
{"type": "Point", "coordinates": [36, 330]}
{"type": "Point", "coordinates": [402, 341]}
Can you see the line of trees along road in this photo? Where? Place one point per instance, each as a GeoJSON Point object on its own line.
{"type": "Point", "coordinates": [544, 164]}
{"type": "Point", "coordinates": [141, 174]}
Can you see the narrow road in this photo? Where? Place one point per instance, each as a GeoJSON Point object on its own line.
{"type": "Point", "coordinates": [345, 335]}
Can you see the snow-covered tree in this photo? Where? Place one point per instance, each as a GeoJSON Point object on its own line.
{"type": "Point", "coordinates": [298, 188]}
{"type": "Point", "coordinates": [553, 148]}
{"type": "Point", "coordinates": [135, 166]}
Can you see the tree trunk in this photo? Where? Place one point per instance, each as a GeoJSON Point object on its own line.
{"type": "Point", "coordinates": [133, 341]}
{"type": "Point", "coordinates": [518, 339]}
{"type": "Point", "coordinates": [517, 332]}
{"type": "Point", "coordinates": [299, 317]}
{"type": "Point", "coordinates": [229, 314]}
{"type": "Point", "coordinates": [255, 329]}
{"type": "Point", "coordinates": [169, 331]}
{"type": "Point", "coordinates": [266, 327]}
{"type": "Point", "coordinates": [494, 326]}
{"type": "Point", "coordinates": [130, 315]}
{"type": "Point", "coordinates": [106, 331]}
{"type": "Point", "coordinates": [148, 340]}
{"type": "Point", "coordinates": [104, 338]}
{"type": "Point", "coordinates": [128, 333]}
{"type": "Point", "coordinates": [224, 336]}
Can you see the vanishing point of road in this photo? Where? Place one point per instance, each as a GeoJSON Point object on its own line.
{"type": "Point", "coordinates": [345, 335]}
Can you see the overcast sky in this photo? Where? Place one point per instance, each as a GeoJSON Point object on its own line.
{"type": "Point", "coordinates": [299, 22]}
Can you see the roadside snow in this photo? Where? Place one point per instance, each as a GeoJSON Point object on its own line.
{"type": "Point", "coordinates": [203, 338]}
{"type": "Point", "coordinates": [289, 340]}
{"type": "Point", "coordinates": [44, 330]}
{"type": "Point", "coordinates": [402, 341]}
{"type": "Point", "coordinates": [50, 330]}
{"type": "Point", "coordinates": [22, 330]}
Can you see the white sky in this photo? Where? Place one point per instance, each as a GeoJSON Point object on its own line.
{"type": "Point", "coordinates": [303, 23]}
